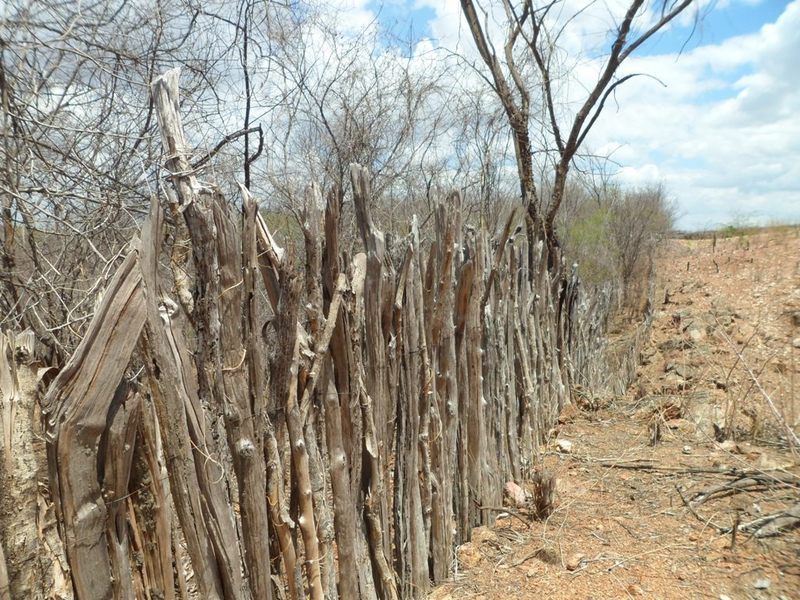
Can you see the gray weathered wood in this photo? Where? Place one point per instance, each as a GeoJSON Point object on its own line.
{"type": "Point", "coordinates": [351, 416]}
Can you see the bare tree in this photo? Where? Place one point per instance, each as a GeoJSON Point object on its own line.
{"type": "Point", "coordinates": [78, 148]}
{"type": "Point", "coordinates": [481, 148]}
{"type": "Point", "coordinates": [639, 219]}
{"type": "Point", "coordinates": [524, 72]}
{"type": "Point", "coordinates": [337, 99]}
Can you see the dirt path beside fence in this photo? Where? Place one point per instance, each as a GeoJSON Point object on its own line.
{"type": "Point", "coordinates": [682, 488]}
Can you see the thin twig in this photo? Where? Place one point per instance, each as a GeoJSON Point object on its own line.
{"type": "Point", "coordinates": [705, 522]}
{"type": "Point", "coordinates": [776, 413]}
{"type": "Point", "coordinates": [510, 511]}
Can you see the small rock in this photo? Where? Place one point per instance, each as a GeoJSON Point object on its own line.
{"type": "Point", "coordinates": [673, 383]}
{"type": "Point", "coordinates": [725, 320]}
{"type": "Point", "coordinates": [796, 342]}
{"type": "Point", "coordinates": [514, 494]}
{"type": "Point", "coordinates": [687, 449]}
{"type": "Point", "coordinates": [574, 561]}
{"type": "Point", "coordinates": [564, 446]}
{"type": "Point", "coordinates": [730, 446]}
{"type": "Point", "coordinates": [635, 590]}
{"type": "Point", "coordinates": [796, 318]}
{"type": "Point", "coordinates": [549, 555]}
{"type": "Point", "coordinates": [674, 344]}
{"type": "Point", "coordinates": [469, 555]}
{"type": "Point", "coordinates": [677, 424]}
{"type": "Point", "coordinates": [680, 369]}
{"type": "Point", "coordinates": [761, 584]}
{"type": "Point", "coordinates": [744, 333]}
{"type": "Point", "coordinates": [768, 463]}
{"type": "Point", "coordinates": [697, 334]}
{"type": "Point", "coordinates": [724, 597]}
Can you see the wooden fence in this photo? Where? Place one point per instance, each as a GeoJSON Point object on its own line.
{"type": "Point", "coordinates": [330, 431]}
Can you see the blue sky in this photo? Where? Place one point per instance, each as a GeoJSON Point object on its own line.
{"type": "Point", "coordinates": [723, 135]}
{"type": "Point", "coordinates": [727, 146]}
{"type": "Point", "coordinates": [719, 21]}
{"type": "Point", "coordinates": [406, 17]}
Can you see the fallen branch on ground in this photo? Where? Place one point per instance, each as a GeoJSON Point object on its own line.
{"type": "Point", "coordinates": [526, 519]}
{"type": "Point", "coordinates": [705, 522]}
{"type": "Point", "coordinates": [774, 523]}
{"type": "Point", "coordinates": [769, 525]}
{"type": "Point", "coordinates": [791, 435]}
{"type": "Point", "coordinates": [644, 464]}
{"type": "Point", "coordinates": [747, 482]}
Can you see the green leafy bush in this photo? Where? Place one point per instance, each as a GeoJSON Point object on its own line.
{"type": "Point", "coordinates": [613, 234]}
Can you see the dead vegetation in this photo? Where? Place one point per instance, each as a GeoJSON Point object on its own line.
{"type": "Point", "coordinates": [234, 424]}
{"type": "Point", "coordinates": [688, 485]}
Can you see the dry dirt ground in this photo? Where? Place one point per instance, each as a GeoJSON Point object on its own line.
{"type": "Point", "coordinates": [621, 527]}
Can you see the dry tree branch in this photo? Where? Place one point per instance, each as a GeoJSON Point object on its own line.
{"type": "Point", "coordinates": [222, 143]}
{"type": "Point", "coordinates": [792, 436]}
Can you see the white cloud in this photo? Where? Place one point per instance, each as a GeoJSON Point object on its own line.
{"type": "Point", "coordinates": [733, 155]}
{"type": "Point", "coordinates": [638, 176]}
{"type": "Point", "coordinates": [351, 16]}
{"type": "Point", "coordinates": [724, 134]}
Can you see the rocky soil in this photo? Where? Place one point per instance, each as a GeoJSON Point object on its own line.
{"type": "Point", "coordinates": [672, 490]}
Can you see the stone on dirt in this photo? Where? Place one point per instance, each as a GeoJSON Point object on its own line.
{"type": "Point", "coordinates": [469, 555]}
{"type": "Point", "coordinates": [549, 555]}
{"type": "Point", "coordinates": [730, 446]}
{"type": "Point", "coordinates": [574, 561]}
{"type": "Point", "coordinates": [744, 333]}
{"type": "Point", "coordinates": [482, 534]}
{"type": "Point", "coordinates": [697, 334]}
{"type": "Point", "coordinates": [672, 344]}
{"type": "Point", "coordinates": [681, 425]}
{"type": "Point", "coordinates": [514, 495]}
{"type": "Point", "coordinates": [635, 590]}
{"type": "Point", "coordinates": [564, 446]}
{"type": "Point", "coordinates": [682, 370]}
{"type": "Point", "coordinates": [440, 594]}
